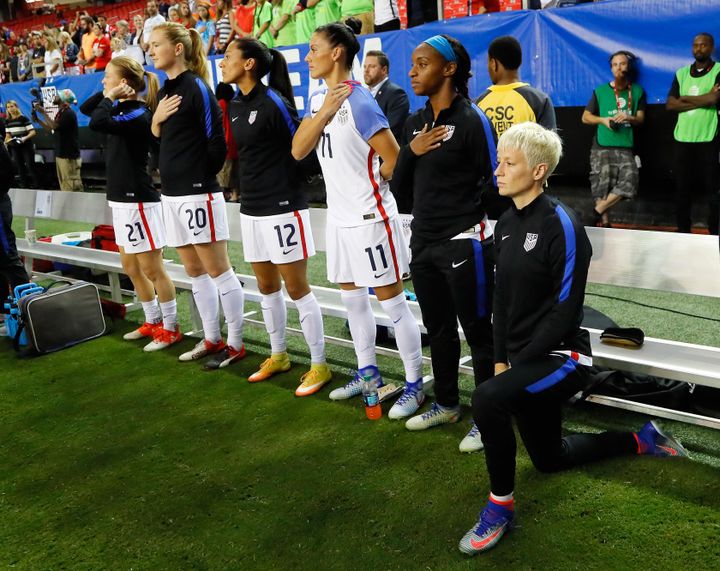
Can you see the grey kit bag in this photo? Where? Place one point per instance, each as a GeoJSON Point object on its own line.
{"type": "Point", "coordinates": [61, 317]}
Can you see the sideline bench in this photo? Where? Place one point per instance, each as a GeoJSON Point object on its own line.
{"type": "Point", "coordinates": [680, 263]}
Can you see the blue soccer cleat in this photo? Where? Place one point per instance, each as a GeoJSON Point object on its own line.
{"type": "Point", "coordinates": [653, 441]}
{"type": "Point", "coordinates": [495, 520]}
{"type": "Point", "coordinates": [354, 387]}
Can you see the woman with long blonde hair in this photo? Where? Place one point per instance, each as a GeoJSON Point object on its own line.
{"type": "Point", "coordinates": [119, 112]}
{"type": "Point", "coordinates": [188, 122]}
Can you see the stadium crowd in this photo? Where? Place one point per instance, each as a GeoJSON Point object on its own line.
{"type": "Point", "coordinates": [70, 43]}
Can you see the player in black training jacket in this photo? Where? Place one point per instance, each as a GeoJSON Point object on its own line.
{"type": "Point", "coordinates": [135, 204]}
{"type": "Point", "coordinates": [444, 167]}
{"type": "Point", "coordinates": [542, 355]}
{"type": "Point", "coordinates": [277, 239]}
{"type": "Point", "coordinates": [188, 122]}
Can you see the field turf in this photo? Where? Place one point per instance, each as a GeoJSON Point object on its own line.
{"type": "Point", "coordinates": [114, 459]}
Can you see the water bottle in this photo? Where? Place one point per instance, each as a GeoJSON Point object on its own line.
{"type": "Point", "coordinates": [372, 400]}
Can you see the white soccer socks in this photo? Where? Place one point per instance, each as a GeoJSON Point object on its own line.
{"type": "Point", "coordinates": [151, 309]}
{"type": "Point", "coordinates": [407, 335]}
{"type": "Point", "coordinates": [362, 325]}
{"type": "Point", "coordinates": [275, 317]}
{"type": "Point", "coordinates": [232, 298]}
{"type": "Point", "coordinates": [169, 314]}
{"type": "Point", "coordinates": [205, 294]}
{"type": "Point", "coordinates": [312, 326]}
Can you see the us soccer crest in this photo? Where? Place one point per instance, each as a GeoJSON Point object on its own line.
{"type": "Point", "coordinates": [342, 115]}
{"type": "Point", "coordinates": [449, 130]}
{"type": "Point", "coordinates": [530, 241]}
{"type": "Point", "coordinates": [252, 117]}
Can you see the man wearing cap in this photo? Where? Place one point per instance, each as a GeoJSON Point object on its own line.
{"type": "Point", "coordinates": [67, 148]}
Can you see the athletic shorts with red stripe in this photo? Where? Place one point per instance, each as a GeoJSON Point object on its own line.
{"type": "Point", "coordinates": [371, 255]}
{"type": "Point", "coordinates": [533, 393]}
{"type": "Point", "coordinates": [195, 219]}
{"type": "Point", "coordinates": [280, 239]}
{"type": "Point", "coordinates": [139, 226]}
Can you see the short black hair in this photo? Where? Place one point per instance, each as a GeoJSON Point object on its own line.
{"type": "Point", "coordinates": [708, 35]}
{"type": "Point", "coordinates": [507, 51]}
{"type": "Point", "coordinates": [381, 56]}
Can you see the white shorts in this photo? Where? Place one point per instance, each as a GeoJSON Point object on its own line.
{"type": "Point", "coordinates": [139, 226]}
{"type": "Point", "coordinates": [371, 255]}
{"type": "Point", "coordinates": [280, 239]}
{"type": "Point", "coordinates": [195, 219]}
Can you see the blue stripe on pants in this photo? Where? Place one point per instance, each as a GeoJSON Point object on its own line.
{"type": "Point", "coordinates": [480, 278]}
{"type": "Point", "coordinates": [553, 378]}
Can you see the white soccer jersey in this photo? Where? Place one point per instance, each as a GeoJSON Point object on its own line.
{"type": "Point", "coordinates": [356, 192]}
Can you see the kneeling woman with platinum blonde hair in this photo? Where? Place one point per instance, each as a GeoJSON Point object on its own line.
{"type": "Point", "coordinates": [542, 356]}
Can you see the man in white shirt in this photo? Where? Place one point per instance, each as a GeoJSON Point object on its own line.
{"type": "Point", "coordinates": [387, 16]}
{"type": "Point", "coordinates": [153, 19]}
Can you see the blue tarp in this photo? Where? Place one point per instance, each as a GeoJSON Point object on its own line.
{"type": "Point", "coordinates": [565, 51]}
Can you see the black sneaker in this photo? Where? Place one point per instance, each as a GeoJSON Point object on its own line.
{"type": "Point", "coordinates": [226, 357]}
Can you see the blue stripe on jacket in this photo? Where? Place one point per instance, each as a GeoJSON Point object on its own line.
{"type": "Point", "coordinates": [492, 147]}
{"type": "Point", "coordinates": [206, 106]}
{"type": "Point", "coordinates": [134, 114]}
{"type": "Point", "coordinates": [480, 289]}
{"type": "Point", "coordinates": [569, 231]}
{"type": "Point", "coordinates": [283, 110]}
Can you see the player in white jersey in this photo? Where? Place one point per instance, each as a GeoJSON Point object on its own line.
{"type": "Point", "coordinates": [365, 244]}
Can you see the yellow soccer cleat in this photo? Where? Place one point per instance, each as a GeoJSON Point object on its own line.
{"type": "Point", "coordinates": [312, 381]}
{"type": "Point", "coordinates": [279, 363]}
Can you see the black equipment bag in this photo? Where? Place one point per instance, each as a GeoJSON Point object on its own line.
{"type": "Point", "coordinates": [61, 317]}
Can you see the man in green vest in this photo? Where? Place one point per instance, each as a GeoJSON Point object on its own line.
{"type": "Point", "coordinates": [616, 108]}
{"type": "Point", "coordinates": [695, 95]}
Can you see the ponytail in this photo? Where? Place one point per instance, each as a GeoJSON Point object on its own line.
{"type": "Point", "coordinates": [280, 78]}
{"type": "Point", "coordinates": [132, 72]}
{"type": "Point", "coordinates": [462, 74]}
{"type": "Point", "coordinates": [196, 59]}
{"type": "Point", "coordinates": [267, 61]}
{"type": "Point", "coordinates": [153, 86]}
{"type": "Point", "coordinates": [193, 49]}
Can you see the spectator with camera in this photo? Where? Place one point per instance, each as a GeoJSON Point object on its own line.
{"type": "Point", "coordinates": [67, 148]}
{"type": "Point", "coordinates": [19, 132]}
{"type": "Point", "coordinates": [615, 108]}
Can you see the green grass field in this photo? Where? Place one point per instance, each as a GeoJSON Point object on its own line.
{"type": "Point", "coordinates": [114, 459]}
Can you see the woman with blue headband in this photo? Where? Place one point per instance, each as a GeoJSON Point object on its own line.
{"type": "Point", "coordinates": [444, 167]}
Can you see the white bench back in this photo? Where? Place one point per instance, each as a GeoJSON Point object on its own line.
{"type": "Point", "coordinates": [665, 261]}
